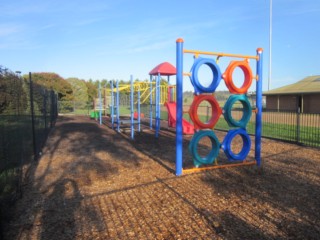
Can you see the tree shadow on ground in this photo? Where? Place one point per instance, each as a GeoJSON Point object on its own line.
{"type": "Point", "coordinates": [285, 195]}
{"type": "Point", "coordinates": [75, 157]}
{"type": "Point", "coordinates": [147, 143]}
{"type": "Point", "coordinates": [229, 203]}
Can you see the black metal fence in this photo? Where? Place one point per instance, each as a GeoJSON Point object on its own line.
{"type": "Point", "coordinates": [27, 112]}
{"type": "Point", "coordinates": [295, 127]}
{"type": "Point", "coordinates": [75, 107]}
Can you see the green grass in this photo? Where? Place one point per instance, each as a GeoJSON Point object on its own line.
{"type": "Point", "coordinates": [8, 179]}
{"type": "Point", "coordinates": [288, 132]}
{"type": "Point", "coordinates": [124, 110]}
{"type": "Point", "coordinates": [308, 135]}
{"type": "Point", "coordinates": [15, 132]}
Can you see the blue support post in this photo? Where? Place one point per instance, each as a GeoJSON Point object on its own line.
{"type": "Point", "coordinates": [157, 105]}
{"type": "Point", "coordinates": [139, 111]}
{"type": "Point", "coordinates": [131, 106]}
{"type": "Point", "coordinates": [112, 103]}
{"type": "Point", "coordinates": [179, 89]}
{"type": "Point", "coordinates": [117, 106]}
{"type": "Point", "coordinates": [159, 100]}
{"type": "Point", "coordinates": [100, 105]}
{"type": "Point", "coordinates": [259, 108]}
{"type": "Point", "coordinates": [151, 102]}
{"type": "Point", "coordinates": [166, 95]}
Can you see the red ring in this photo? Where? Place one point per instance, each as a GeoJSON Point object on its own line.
{"type": "Point", "coordinates": [227, 76]}
{"type": "Point", "coordinates": [215, 111]}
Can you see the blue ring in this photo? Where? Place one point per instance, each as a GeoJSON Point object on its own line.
{"type": "Point", "coordinates": [215, 71]}
{"type": "Point", "coordinates": [193, 147]}
{"type": "Point", "coordinates": [247, 111]}
{"type": "Point", "coordinates": [226, 145]}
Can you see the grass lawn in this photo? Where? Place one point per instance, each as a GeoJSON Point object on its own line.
{"type": "Point", "coordinates": [308, 135]}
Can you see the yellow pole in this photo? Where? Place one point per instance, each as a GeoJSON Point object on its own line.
{"type": "Point", "coordinates": [193, 170]}
{"type": "Point", "coordinates": [196, 52]}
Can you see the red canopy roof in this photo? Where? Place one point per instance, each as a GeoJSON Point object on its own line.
{"type": "Point", "coordinates": [165, 69]}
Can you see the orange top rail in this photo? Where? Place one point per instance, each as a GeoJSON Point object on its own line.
{"type": "Point", "coordinates": [219, 54]}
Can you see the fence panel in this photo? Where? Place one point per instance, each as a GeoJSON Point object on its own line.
{"type": "Point", "coordinates": [300, 128]}
{"type": "Point", "coordinates": [280, 125]}
{"type": "Point", "coordinates": [27, 111]}
{"type": "Point", "coordinates": [309, 129]}
{"type": "Point", "coordinates": [75, 107]}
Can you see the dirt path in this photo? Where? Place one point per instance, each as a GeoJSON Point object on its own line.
{"type": "Point", "coordinates": [93, 183]}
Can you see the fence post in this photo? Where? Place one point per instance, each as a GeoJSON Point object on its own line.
{"type": "Point", "coordinates": [52, 104]}
{"type": "Point", "coordinates": [32, 119]}
{"type": "Point", "coordinates": [298, 126]}
{"type": "Point", "coordinates": [45, 111]}
{"type": "Point", "coordinates": [56, 105]}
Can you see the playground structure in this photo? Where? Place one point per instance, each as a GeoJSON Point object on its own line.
{"type": "Point", "coordinates": [145, 90]}
{"type": "Point", "coordinates": [116, 121]}
{"type": "Point", "coordinates": [153, 93]}
{"type": "Point", "coordinates": [199, 129]}
{"type": "Point", "coordinates": [202, 93]}
{"type": "Point", "coordinates": [165, 69]}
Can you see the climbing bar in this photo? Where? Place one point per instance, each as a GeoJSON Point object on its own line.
{"type": "Point", "coordinates": [131, 106]}
{"type": "Point", "coordinates": [112, 104]}
{"type": "Point", "coordinates": [117, 105]}
{"type": "Point", "coordinates": [220, 54]}
{"type": "Point", "coordinates": [194, 170]}
{"type": "Point", "coordinates": [258, 128]}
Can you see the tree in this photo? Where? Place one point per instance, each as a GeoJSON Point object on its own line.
{"type": "Point", "coordinates": [13, 97]}
{"type": "Point", "coordinates": [55, 82]}
{"type": "Point", "coordinates": [79, 89]}
{"type": "Point", "coordinates": [91, 90]}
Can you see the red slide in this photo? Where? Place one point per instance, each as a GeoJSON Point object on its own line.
{"type": "Point", "coordinates": [187, 128]}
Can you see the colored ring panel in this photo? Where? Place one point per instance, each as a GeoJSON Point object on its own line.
{"type": "Point", "coordinates": [215, 111]}
{"type": "Point", "coordinates": [246, 115]}
{"type": "Point", "coordinates": [228, 77]}
{"type": "Point", "coordinates": [226, 145]}
{"type": "Point", "coordinates": [198, 87]}
{"type": "Point", "coordinates": [193, 148]}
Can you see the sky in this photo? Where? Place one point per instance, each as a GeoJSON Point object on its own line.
{"type": "Point", "coordinates": [102, 39]}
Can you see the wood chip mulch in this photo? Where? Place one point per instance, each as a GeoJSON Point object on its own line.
{"type": "Point", "coordinates": [94, 183]}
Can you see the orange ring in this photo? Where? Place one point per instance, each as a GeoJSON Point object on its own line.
{"type": "Point", "coordinates": [227, 76]}
{"type": "Point", "coordinates": [215, 112]}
